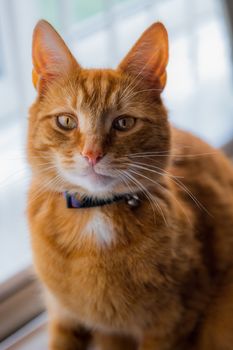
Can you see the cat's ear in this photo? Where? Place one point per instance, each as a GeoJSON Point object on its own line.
{"type": "Point", "coordinates": [148, 58]}
{"type": "Point", "coordinates": [51, 57]}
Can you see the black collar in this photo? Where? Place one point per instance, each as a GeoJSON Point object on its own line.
{"type": "Point", "coordinates": [73, 200]}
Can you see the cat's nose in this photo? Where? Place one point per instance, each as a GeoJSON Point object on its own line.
{"type": "Point", "coordinates": [93, 157]}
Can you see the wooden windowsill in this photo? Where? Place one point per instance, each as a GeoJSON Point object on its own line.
{"type": "Point", "coordinates": [31, 336]}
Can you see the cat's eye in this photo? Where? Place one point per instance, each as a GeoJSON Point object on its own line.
{"type": "Point", "coordinates": [124, 123]}
{"type": "Point", "coordinates": [66, 122]}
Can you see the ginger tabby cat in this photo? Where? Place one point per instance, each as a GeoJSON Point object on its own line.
{"type": "Point", "coordinates": [147, 261]}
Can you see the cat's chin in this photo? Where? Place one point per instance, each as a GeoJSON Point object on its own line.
{"type": "Point", "coordinates": [92, 183]}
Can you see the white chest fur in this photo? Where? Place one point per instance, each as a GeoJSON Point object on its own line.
{"type": "Point", "coordinates": [100, 228]}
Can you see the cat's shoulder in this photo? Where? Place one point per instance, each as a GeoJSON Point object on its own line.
{"type": "Point", "coordinates": [193, 157]}
{"type": "Point", "coordinates": [186, 144]}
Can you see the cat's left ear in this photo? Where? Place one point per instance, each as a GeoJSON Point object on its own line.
{"type": "Point", "coordinates": [148, 58]}
{"type": "Point", "coordinates": [51, 57]}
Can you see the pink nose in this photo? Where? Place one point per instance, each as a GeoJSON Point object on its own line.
{"type": "Point", "coordinates": [92, 157]}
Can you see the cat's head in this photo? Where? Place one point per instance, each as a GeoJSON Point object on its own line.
{"type": "Point", "coordinates": [93, 130]}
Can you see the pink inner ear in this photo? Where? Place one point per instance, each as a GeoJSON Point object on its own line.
{"type": "Point", "coordinates": [149, 56]}
{"type": "Point", "coordinates": [51, 56]}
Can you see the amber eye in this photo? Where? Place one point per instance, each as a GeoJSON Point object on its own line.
{"type": "Point", "coordinates": [124, 123]}
{"type": "Point", "coordinates": [66, 122]}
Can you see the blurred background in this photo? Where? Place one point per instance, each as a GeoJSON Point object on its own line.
{"type": "Point", "coordinates": [99, 32]}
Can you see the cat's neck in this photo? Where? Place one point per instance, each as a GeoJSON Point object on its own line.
{"type": "Point", "coordinates": [105, 227]}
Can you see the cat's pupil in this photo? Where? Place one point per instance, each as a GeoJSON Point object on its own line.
{"type": "Point", "coordinates": [124, 123]}
{"type": "Point", "coordinates": [66, 122]}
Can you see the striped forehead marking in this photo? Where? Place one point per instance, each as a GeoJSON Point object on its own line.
{"type": "Point", "coordinates": [96, 94]}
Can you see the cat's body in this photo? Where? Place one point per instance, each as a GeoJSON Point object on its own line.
{"type": "Point", "coordinates": [159, 273]}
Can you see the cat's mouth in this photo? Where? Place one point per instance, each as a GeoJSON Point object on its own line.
{"type": "Point", "coordinates": [91, 180]}
{"type": "Point", "coordinates": [97, 176]}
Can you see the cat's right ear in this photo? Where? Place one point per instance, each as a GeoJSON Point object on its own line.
{"type": "Point", "coordinates": [51, 57]}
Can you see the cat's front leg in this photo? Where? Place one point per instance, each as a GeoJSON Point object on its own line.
{"type": "Point", "coordinates": [65, 331]}
{"type": "Point", "coordinates": [151, 342]}
{"type": "Point", "coordinates": [108, 341]}
{"type": "Point", "coordinates": [64, 337]}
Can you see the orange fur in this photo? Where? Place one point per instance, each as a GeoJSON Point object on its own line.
{"type": "Point", "coordinates": [156, 276]}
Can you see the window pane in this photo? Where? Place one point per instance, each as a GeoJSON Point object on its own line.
{"type": "Point", "coordinates": [85, 9]}
{"type": "Point", "coordinates": [50, 11]}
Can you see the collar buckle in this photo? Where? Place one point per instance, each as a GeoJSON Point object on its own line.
{"type": "Point", "coordinates": [133, 200]}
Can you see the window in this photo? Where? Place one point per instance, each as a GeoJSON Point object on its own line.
{"type": "Point", "coordinates": [99, 33]}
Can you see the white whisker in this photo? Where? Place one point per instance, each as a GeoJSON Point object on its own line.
{"type": "Point", "coordinates": [143, 189]}
{"type": "Point", "coordinates": [160, 209]}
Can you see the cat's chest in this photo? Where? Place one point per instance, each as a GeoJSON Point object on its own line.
{"type": "Point", "coordinates": [100, 229]}
{"type": "Point", "coordinates": [94, 289]}
{"type": "Point", "coordinates": [79, 274]}
{"type": "Point", "coordinates": [96, 267]}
